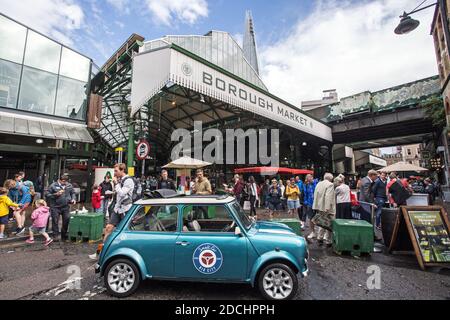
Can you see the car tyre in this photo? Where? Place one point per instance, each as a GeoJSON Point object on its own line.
{"type": "Point", "coordinates": [122, 278]}
{"type": "Point", "coordinates": [278, 282]}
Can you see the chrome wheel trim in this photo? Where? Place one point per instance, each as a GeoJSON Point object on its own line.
{"type": "Point", "coordinates": [121, 278]}
{"type": "Point", "coordinates": [278, 283]}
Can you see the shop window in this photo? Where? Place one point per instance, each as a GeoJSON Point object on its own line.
{"type": "Point", "coordinates": [12, 40]}
{"type": "Point", "coordinates": [42, 53]}
{"type": "Point", "coordinates": [37, 91]}
{"type": "Point", "coordinates": [74, 65]}
{"type": "Point", "coordinates": [9, 83]}
{"type": "Point", "coordinates": [71, 99]}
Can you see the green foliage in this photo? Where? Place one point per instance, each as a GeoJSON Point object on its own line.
{"type": "Point", "coordinates": [436, 112]}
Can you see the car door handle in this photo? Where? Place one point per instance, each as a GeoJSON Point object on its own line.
{"type": "Point", "coordinates": [182, 243]}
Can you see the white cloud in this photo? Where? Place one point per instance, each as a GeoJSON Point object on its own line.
{"type": "Point", "coordinates": [350, 47]}
{"type": "Point", "coordinates": [55, 18]}
{"type": "Point", "coordinates": [120, 5]}
{"type": "Point", "coordinates": [186, 11]}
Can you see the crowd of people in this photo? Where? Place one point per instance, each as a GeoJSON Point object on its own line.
{"type": "Point", "coordinates": [306, 198]}
{"type": "Point", "coordinates": [19, 194]}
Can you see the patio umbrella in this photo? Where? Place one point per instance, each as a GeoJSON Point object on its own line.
{"type": "Point", "coordinates": [403, 167]}
{"type": "Point", "coordinates": [187, 163]}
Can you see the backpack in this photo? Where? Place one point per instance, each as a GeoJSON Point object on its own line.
{"type": "Point", "coordinates": [137, 191]}
{"type": "Point", "coordinates": [399, 193]}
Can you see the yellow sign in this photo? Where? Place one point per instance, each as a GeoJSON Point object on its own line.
{"type": "Point", "coordinates": [131, 171]}
{"type": "Point", "coordinates": [119, 149]}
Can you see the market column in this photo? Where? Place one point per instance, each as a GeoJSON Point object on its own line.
{"type": "Point", "coordinates": [131, 150]}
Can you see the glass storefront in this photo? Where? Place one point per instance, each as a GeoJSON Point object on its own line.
{"type": "Point", "coordinates": [9, 83]}
{"type": "Point", "coordinates": [37, 91]}
{"type": "Point", "coordinates": [40, 75]}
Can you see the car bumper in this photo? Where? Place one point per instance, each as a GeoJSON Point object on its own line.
{"type": "Point", "coordinates": [305, 273]}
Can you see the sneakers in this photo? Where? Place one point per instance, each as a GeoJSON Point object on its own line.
{"type": "Point", "coordinates": [30, 241]}
{"type": "Point", "coordinates": [20, 231]}
{"type": "Point", "coordinates": [311, 236]}
{"type": "Point", "coordinates": [3, 236]}
{"type": "Point", "coordinates": [47, 242]}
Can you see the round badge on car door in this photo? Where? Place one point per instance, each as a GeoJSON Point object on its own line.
{"type": "Point", "coordinates": [207, 258]}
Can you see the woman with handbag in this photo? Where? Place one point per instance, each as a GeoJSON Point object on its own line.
{"type": "Point", "coordinates": [325, 204]}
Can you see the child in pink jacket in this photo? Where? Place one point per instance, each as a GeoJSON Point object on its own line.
{"type": "Point", "coordinates": [40, 218]}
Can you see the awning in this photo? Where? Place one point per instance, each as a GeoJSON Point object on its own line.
{"type": "Point", "coordinates": [43, 128]}
{"type": "Point", "coordinates": [273, 170]}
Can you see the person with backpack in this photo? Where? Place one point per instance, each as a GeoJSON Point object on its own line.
{"type": "Point", "coordinates": [399, 190]}
{"type": "Point", "coordinates": [126, 193]}
{"type": "Point", "coordinates": [60, 195]}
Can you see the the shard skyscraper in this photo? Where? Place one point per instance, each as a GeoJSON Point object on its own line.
{"type": "Point", "coordinates": [249, 45]}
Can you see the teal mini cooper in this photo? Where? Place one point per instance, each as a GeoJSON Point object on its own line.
{"type": "Point", "coordinates": [209, 239]}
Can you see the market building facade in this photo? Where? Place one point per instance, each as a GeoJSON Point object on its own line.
{"type": "Point", "coordinates": [44, 89]}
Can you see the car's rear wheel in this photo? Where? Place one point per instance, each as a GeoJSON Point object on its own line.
{"type": "Point", "coordinates": [278, 282]}
{"type": "Point", "coordinates": [122, 278]}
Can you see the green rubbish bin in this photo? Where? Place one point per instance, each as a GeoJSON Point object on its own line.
{"type": "Point", "coordinates": [86, 227]}
{"type": "Point", "coordinates": [294, 224]}
{"type": "Point", "coordinates": [352, 236]}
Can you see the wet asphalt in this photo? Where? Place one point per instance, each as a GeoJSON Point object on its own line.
{"type": "Point", "coordinates": [65, 272]}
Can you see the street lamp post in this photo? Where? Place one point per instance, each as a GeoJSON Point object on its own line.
{"type": "Point", "coordinates": [408, 24]}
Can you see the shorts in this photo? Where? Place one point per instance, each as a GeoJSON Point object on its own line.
{"type": "Point", "coordinates": [4, 220]}
{"type": "Point", "coordinates": [37, 230]}
{"type": "Point", "coordinates": [115, 218]}
{"type": "Point", "coordinates": [293, 204]}
{"type": "Point", "coordinates": [274, 206]}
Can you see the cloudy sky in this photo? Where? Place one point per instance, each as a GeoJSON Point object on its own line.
{"type": "Point", "coordinates": [304, 46]}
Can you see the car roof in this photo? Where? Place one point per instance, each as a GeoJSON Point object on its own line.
{"type": "Point", "coordinates": [211, 200]}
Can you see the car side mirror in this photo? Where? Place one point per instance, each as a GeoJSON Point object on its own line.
{"type": "Point", "coordinates": [238, 232]}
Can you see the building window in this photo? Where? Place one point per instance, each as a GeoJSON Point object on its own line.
{"type": "Point", "coordinates": [409, 152]}
{"type": "Point", "coordinates": [42, 53]}
{"type": "Point", "coordinates": [12, 40]}
{"type": "Point", "coordinates": [71, 99]}
{"type": "Point", "coordinates": [37, 91]}
{"type": "Point", "coordinates": [74, 65]}
{"type": "Point", "coordinates": [9, 83]}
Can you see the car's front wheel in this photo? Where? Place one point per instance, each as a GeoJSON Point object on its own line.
{"type": "Point", "coordinates": [278, 282]}
{"type": "Point", "coordinates": [122, 278]}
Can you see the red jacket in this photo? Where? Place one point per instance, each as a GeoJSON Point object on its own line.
{"type": "Point", "coordinates": [96, 200]}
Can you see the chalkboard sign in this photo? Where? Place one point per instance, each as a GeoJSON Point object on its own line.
{"type": "Point", "coordinates": [429, 233]}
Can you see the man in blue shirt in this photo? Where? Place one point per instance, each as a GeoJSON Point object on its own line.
{"type": "Point", "coordinates": [379, 190]}
{"type": "Point", "coordinates": [308, 200]}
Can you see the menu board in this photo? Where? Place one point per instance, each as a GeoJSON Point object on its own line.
{"type": "Point", "coordinates": [431, 235]}
{"type": "Point", "coordinates": [427, 228]}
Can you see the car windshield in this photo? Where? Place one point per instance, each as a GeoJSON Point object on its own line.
{"type": "Point", "coordinates": [246, 221]}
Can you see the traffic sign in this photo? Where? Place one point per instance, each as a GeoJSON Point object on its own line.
{"type": "Point", "coordinates": [142, 150]}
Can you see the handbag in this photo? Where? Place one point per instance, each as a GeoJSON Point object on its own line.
{"type": "Point", "coordinates": [246, 205]}
{"type": "Point", "coordinates": [323, 220]}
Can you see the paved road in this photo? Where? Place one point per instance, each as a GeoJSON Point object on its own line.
{"type": "Point", "coordinates": [34, 272]}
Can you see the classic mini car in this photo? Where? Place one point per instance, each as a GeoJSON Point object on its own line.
{"type": "Point", "coordinates": [208, 239]}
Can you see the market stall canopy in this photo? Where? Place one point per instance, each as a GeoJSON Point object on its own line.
{"type": "Point", "coordinates": [187, 163]}
{"type": "Point", "coordinates": [403, 167]}
{"type": "Point", "coordinates": [273, 170]}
